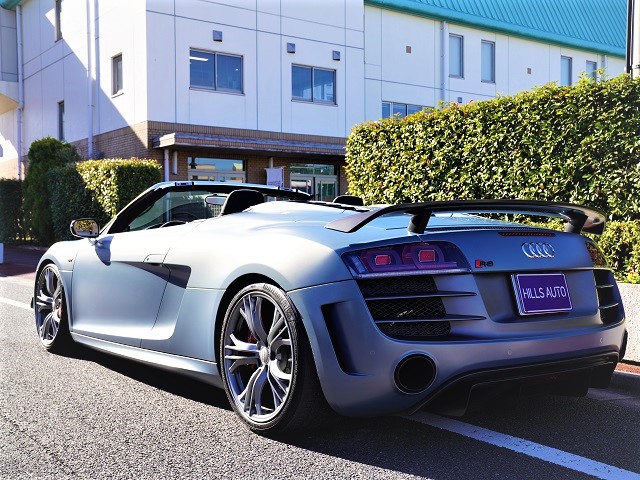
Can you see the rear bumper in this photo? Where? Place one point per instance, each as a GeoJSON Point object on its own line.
{"type": "Point", "coordinates": [356, 363]}
{"type": "Point", "coordinates": [565, 377]}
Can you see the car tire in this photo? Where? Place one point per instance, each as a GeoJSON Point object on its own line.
{"type": "Point", "coordinates": [50, 308]}
{"type": "Point", "coordinates": [267, 365]}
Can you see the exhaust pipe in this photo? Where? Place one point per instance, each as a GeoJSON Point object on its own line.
{"type": "Point", "coordinates": [414, 373]}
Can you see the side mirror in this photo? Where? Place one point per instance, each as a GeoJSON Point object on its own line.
{"type": "Point", "coordinates": [85, 228]}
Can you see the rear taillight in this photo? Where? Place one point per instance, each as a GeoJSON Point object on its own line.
{"type": "Point", "coordinates": [596, 255]}
{"type": "Point", "coordinates": [439, 257]}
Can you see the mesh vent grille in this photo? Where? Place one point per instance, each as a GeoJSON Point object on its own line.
{"type": "Point", "coordinates": [409, 285]}
{"type": "Point", "coordinates": [606, 296]}
{"type": "Point", "coordinates": [415, 330]}
{"type": "Point", "coordinates": [407, 309]}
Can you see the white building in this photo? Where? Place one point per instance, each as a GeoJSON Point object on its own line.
{"type": "Point", "coordinates": [223, 89]}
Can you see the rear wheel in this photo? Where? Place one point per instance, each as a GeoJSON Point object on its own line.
{"type": "Point", "coordinates": [51, 310]}
{"type": "Point", "coordinates": [266, 362]}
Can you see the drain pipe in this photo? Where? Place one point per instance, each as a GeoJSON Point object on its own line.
{"type": "Point", "coordinates": [20, 88]}
{"type": "Point", "coordinates": [444, 34]}
{"type": "Point", "coordinates": [89, 81]}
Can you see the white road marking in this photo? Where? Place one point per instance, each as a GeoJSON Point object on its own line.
{"type": "Point", "coordinates": [532, 449]}
{"type": "Point", "coordinates": [8, 301]}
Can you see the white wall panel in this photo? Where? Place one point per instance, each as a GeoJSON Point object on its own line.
{"type": "Point", "coordinates": [222, 14]}
{"type": "Point", "coordinates": [398, 65]}
{"type": "Point", "coordinates": [354, 88]}
{"type": "Point", "coordinates": [269, 82]}
{"type": "Point", "coordinates": [161, 67]}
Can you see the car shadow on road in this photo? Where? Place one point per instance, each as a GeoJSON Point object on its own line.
{"type": "Point", "coordinates": [161, 379]}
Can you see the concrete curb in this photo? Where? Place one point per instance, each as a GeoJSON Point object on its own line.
{"type": "Point", "coordinates": [631, 300]}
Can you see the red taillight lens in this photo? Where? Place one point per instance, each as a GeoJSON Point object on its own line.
{"type": "Point", "coordinates": [596, 255]}
{"type": "Point", "coordinates": [437, 256]}
{"type": "Point", "coordinates": [382, 260]}
{"type": "Point", "coordinates": [425, 256]}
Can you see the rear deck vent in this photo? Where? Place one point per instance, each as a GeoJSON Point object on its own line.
{"type": "Point", "coordinates": [526, 233]}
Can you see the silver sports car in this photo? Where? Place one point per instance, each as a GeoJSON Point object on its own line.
{"type": "Point", "coordinates": [293, 306]}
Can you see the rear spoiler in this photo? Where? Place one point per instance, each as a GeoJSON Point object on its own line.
{"type": "Point", "coordinates": [577, 218]}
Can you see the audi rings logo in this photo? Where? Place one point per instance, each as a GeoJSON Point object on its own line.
{"type": "Point", "coordinates": [538, 250]}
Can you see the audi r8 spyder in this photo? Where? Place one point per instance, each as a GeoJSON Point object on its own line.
{"type": "Point", "coordinates": [293, 305]}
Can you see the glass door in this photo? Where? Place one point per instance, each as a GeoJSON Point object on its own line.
{"type": "Point", "coordinates": [322, 187]}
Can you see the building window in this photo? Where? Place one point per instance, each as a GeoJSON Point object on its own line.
{"type": "Point", "coordinates": [58, 26]}
{"type": "Point", "coordinates": [215, 71]}
{"type": "Point", "coordinates": [61, 121]}
{"type": "Point", "coordinates": [116, 74]}
{"type": "Point", "coordinates": [313, 84]}
{"type": "Point", "coordinates": [565, 71]}
{"type": "Point", "coordinates": [400, 110]}
{"type": "Point", "coordinates": [591, 70]}
{"type": "Point", "coordinates": [216, 169]}
{"type": "Point", "coordinates": [456, 56]}
{"type": "Point", "coordinates": [488, 55]}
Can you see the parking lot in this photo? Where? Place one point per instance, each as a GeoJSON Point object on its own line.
{"type": "Point", "coordinates": [91, 415]}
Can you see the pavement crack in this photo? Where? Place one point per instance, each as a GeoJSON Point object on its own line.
{"type": "Point", "coordinates": [45, 448]}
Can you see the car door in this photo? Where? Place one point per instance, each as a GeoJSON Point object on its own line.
{"type": "Point", "coordinates": [119, 278]}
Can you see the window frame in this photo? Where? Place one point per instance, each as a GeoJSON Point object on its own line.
{"type": "Point", "coordinates": [58, 20]}
{"type": "Point", "coordinates": [570, 59]}
{"type": "Point", "coordinates": [215, 87]}
{"type": "Point", "coordinates": [461, 37]}
{"type": "Point", "coordinates": [406, 108]}
{"type": "Point", "coordinates": [117, 81]}
{"type": "Point", "coordinates": [493, 61]}
{"type": "Point", "coordinates": [61, 121]}
{"type": "Point", "coordinates": [313, 77]}
{"type": "Point", "coordinates": [594, 73]}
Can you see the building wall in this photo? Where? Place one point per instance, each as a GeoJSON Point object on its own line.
{"type": "Point", "coordinates": [384, 56]}
{"type": "Point", "coordinates": [403, 62]}
{"type": "Point", "coordinates": [259, 32]}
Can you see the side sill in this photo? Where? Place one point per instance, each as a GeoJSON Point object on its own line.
{"type": "Point", "coordinates": [198, 369]}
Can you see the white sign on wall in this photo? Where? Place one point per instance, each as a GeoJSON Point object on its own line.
{"type": "Point", "coordinates": [275, 176]}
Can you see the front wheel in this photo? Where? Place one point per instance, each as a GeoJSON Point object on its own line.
{"type": "Point", "coordinates": [266, 362]}
{"type": "Point", "coordinates": [51, 310]}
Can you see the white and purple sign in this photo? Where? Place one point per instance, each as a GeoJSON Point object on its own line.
{"type": "Point", "coordinates": [542, 293]}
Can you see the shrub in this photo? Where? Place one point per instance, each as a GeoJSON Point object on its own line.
{"type": "Point", "coordinates": [97, 189]}
{"type": "Point", "coordinates": [576, 144]}
{"type": "Point", "coordinates": [11, 221]}
{"type": "Point", "coordinates": [44, 155]}
{"type": "Point", "coordinates": [620, 243]}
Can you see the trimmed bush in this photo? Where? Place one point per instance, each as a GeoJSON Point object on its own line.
{"type": "Point", "coordinates": [576, 144]}
{"type": "Point", "coordinates": [44, 155]}
{"type": "Point", "coordinates": [11, 221]}
{"type": "Point", "coordinates": [98, 189]}
{"type": "Point", "coordinates": [620, 243]}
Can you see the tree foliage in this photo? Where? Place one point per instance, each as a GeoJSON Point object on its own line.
{"type": "Point", "coordinates": [44, 155]}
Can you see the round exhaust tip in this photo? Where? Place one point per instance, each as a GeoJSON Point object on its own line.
{"type": "Point", "coordinates": [415, 373]}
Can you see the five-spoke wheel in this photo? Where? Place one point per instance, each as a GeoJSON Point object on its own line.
{"type": "Point", "coordinates": [50, 309]}
{"type": "Point", "coordinates": [266, 361]}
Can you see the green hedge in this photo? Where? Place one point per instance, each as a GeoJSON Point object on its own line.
{"type": "Point", "coordinates": [11, 219]}
{"type": "Point", "coordinates": [576, 144]}
{"type": "Point", "coordinates": [98, 189]}
{"type": "Point", "coordinates": [620, 243]}
{"type": "Point", "coordinates": [44, 155]}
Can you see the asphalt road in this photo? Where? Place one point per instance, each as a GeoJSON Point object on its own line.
{"type": "Point", "coordinates": [91, 415]}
